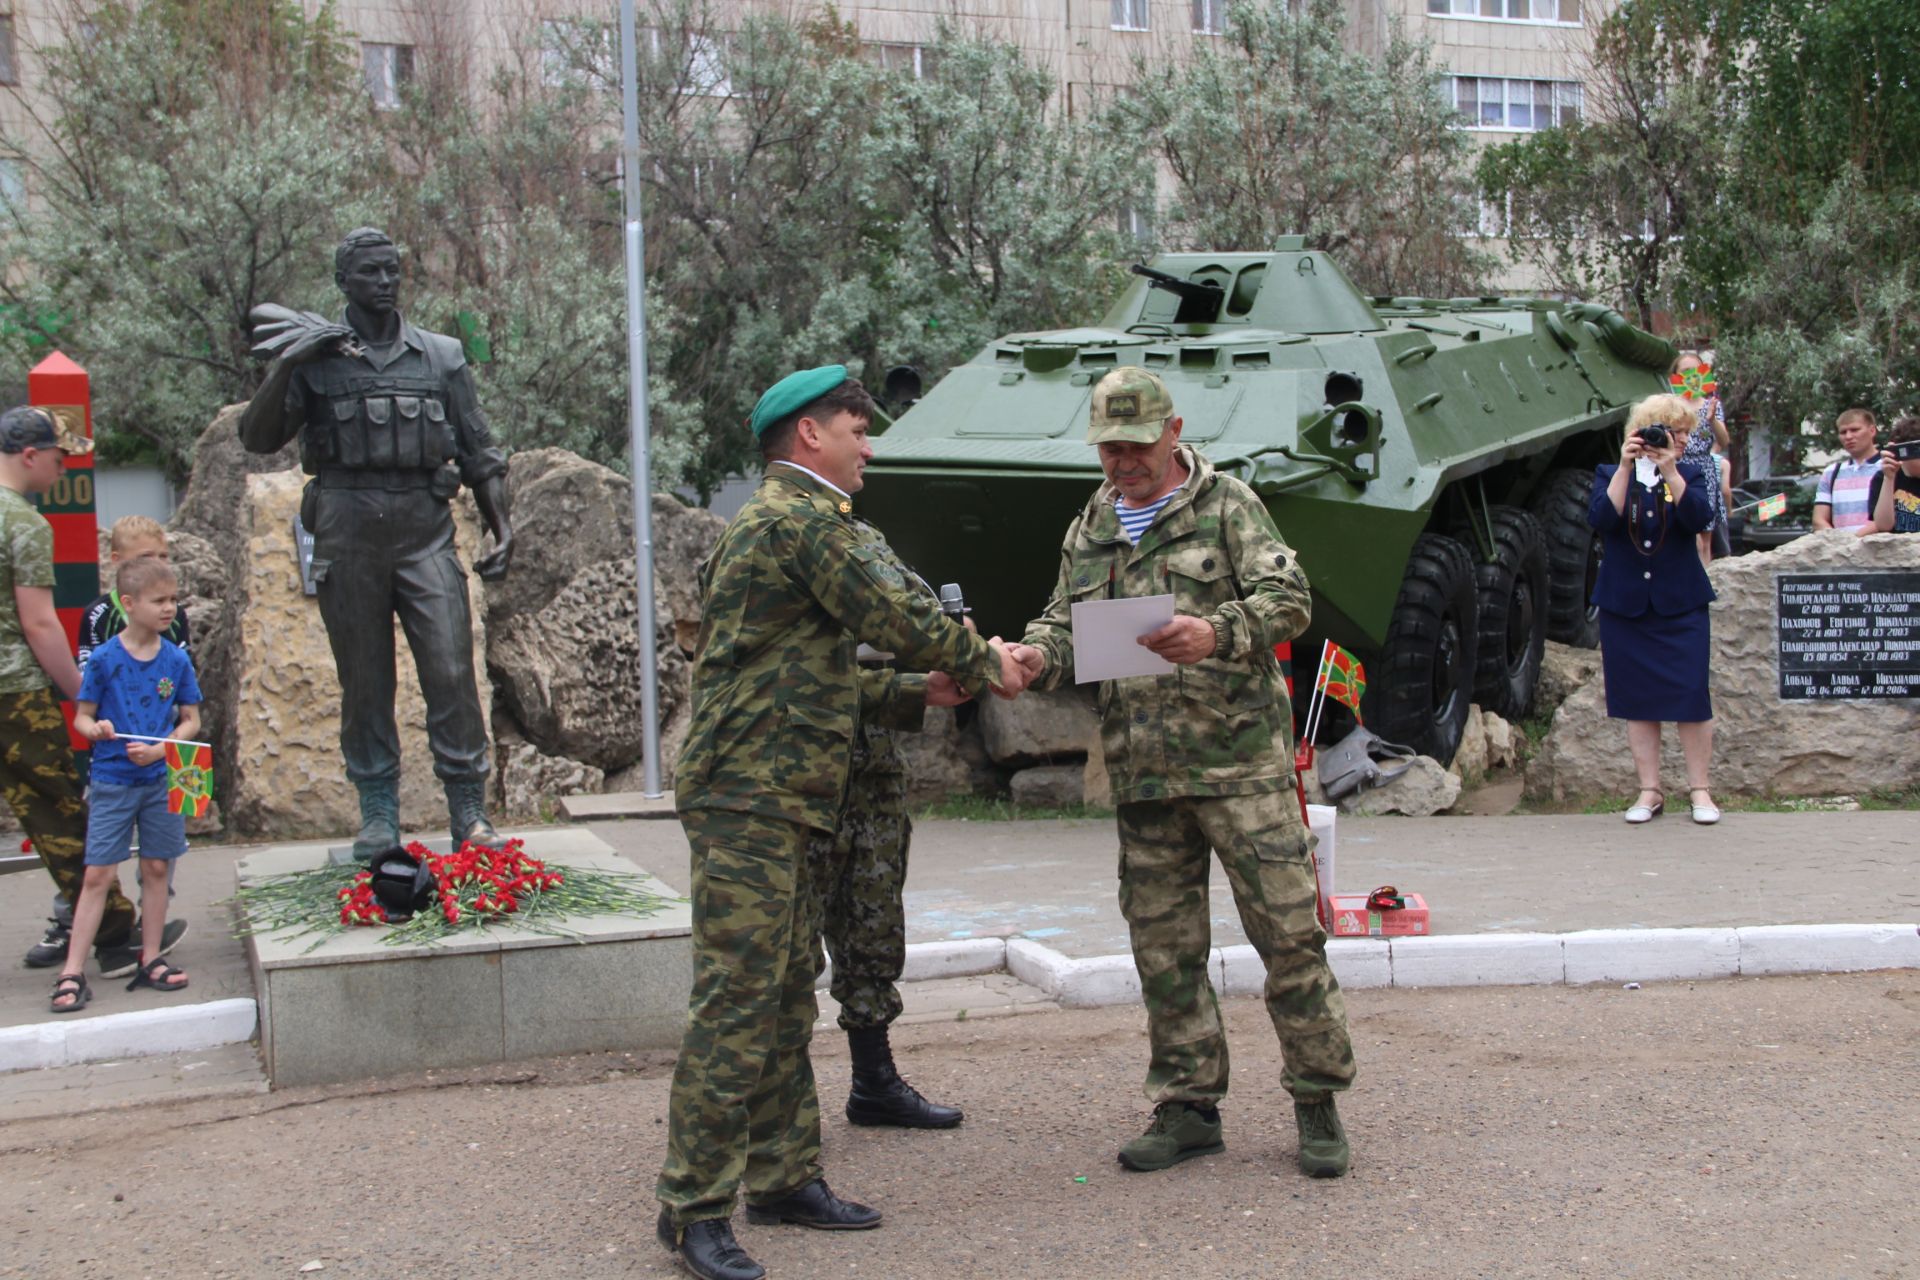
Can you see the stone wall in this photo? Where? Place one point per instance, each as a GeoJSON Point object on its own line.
{"type": "Point", "coordinates": [1763, 745]}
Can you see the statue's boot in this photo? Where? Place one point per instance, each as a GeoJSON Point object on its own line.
{"type": "Point", "coordinates": [467, 813]}
{"type": "Point", "coordinates": [379, 819]}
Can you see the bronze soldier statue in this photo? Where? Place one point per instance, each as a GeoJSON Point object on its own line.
{"type": "Point", "coordinates": [389, 428]}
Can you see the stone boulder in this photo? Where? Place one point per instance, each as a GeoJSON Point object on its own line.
{"type": "Point", "coordinates": [1763, 744]}
{"type": "Point", "coordinates": [1423, 790]}
{"type": "Point", "coordinates": [278, 749]}
{"type": "Point", "coordinates": [530, 780]}
{"type": "Point", "coordinates": [215, 504]}
{"type": "Point", "coordinates": [1096, 783]}
{"type": "Point", "coordinates": [1563, 669]}
{"type": "Point", "coordinates": [570, 673]}
{"type": "Point", "coordinates": [569, 513]}
{"type": "Point", "coordinates": [1039, 727]}
{"type": "Point", "coordinates": [947, 757]}
{"type": "Point", "coordinates": [1049, 786]}
{"type": "Point", "coordinates": [1470, 760]}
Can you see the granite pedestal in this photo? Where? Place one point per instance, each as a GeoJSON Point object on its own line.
{"type": "Point", "coordinates": [355, 1007]}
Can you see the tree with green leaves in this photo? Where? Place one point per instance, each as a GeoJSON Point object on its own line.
{"type": "Point", "coordinates": [1281, 128]}
{"type": "Point", "coordinates": [1600, 208]}
{"type": "Point", "coordinates": [188, 158]}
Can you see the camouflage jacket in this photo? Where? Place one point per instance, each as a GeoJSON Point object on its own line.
{"type": "Point", "coordinates": [789, 591]}
{"type": "Point", "coordinates": [1221, 726]}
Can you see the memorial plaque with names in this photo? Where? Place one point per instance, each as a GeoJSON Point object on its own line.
{"type": "Point", "coordinates": [1849, 635]}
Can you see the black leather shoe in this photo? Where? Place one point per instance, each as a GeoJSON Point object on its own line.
{"type": "Point", "coordinates": [707, 1249]}
{"type": "Point", "coordinates": [813, 1205]}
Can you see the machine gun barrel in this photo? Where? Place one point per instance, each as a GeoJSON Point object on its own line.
{"type": "Point", "coordinates": [1199, 299]}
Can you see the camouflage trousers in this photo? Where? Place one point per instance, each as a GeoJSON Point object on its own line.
{"type": "Point", "coordinates": [1267, 853]}
{"type": "Point", "coordinates": [743, 1113]}
{"type": "Point", "coordinates": [861, 868]}
{"type": "Point", "coordinates": [37, 774]}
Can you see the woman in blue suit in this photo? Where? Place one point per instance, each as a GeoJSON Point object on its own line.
{"type": "Point", "coordinates": [1652, 593]}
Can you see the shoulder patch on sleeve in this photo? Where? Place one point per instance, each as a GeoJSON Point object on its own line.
{"type": "Point", "coordinates": [877, 567]}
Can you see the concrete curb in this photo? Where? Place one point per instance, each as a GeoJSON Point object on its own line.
{"type": "Point", "coordinates": [187, 1028]}
{"type": "Point", "coordinates": [1520, 959]}
{"type": "Point", "coordinates": [1453, 960]}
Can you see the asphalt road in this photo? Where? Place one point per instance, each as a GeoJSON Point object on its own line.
{"type": "Point", "coordinates": [1751, 1127]}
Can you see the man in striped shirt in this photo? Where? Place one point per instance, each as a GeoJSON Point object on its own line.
{"type": "Point", "coordinates": [1841, 502]}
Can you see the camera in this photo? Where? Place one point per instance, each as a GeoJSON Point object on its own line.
{"type": "Point", "coordinates": [1654, 437]}
{"type": "Point", "coordinates": [1905, 450]}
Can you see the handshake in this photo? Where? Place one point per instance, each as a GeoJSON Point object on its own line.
{"type": "Point", "coordinates": [1020, 666]}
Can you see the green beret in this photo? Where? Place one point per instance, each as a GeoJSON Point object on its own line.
{"type": "Point", "coordinates": [795, 391]}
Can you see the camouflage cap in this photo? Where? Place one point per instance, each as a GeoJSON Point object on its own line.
{"type": "Point", "coordinates": [1130, 406]}
{"type": "Point", "coordinates": [31, 427]}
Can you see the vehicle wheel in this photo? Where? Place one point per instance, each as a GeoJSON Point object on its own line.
{"type": "Point", "coordinates": [1573, 556]}
{"type": "Point", "coordinates": [1426, 683]}
{"type": "Point", "coordinates": [1511, 591]}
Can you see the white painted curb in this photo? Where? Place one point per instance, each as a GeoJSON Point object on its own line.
{"type": "Point", "coordinates": [1493, 959]}
{"type": "Point", "coordinates": [185, 1028]}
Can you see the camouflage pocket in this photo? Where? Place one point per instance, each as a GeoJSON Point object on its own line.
{"type": "Point", "coordinates": [813, 752]}
{"type": "Point", "coordinates": [1226, 690]}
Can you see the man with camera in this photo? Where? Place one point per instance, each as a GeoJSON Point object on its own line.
{"type": "Point", "coordinates": [1894, 495]}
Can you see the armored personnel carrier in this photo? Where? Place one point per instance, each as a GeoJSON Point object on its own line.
{"type": "Point", "coordinates": [1429, 459]}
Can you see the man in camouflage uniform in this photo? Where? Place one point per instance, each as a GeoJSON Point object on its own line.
{"type": "Point", "coordinates": [861, 867]}
{"type": "Point", "coordinates": [390, 427]}
{"type": "Point", "coordinates": [36, 758]}
{"type": "Point", "coordinates": [789, 590]}
{"type": "Point", "coordinates": [1201, 758]}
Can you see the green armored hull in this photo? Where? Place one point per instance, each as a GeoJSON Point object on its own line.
{"type": "Point", "coordinates": [1429, 459]}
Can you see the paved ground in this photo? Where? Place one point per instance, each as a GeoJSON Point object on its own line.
{"type": "Point", "coordinates": [1055, 882]}
{"type": "Point", "coordinates": [1751, 1127]}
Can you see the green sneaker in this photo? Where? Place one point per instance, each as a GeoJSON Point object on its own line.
{"type": "Point", "coordinates": [1180, 1131]}
{"type": "Point", "coordinates": [1323, 1140]}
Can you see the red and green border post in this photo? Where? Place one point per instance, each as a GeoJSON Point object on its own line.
{"type": "Point", "coordinates": [60, 386]}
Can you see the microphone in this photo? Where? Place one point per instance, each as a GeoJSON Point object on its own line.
{"type": "Point", "coordinates": [952, 602]}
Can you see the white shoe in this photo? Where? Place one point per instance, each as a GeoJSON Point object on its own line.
{"type": "Point", "coordinates": [1704, 814]}
{"type": "Point", "coordinates": [1640, 813]}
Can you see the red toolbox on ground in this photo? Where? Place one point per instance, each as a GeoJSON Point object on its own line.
{"type": "Point", "coordinates": [1354, 918]}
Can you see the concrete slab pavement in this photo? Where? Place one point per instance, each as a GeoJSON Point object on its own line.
{"type": "Point", "coordinates": [1576, 898]}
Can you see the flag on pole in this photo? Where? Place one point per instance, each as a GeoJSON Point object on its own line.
{"type": "Point", "coordinates": [189, 778]}
{"type": "Point", "coordinates": [1771, 507]}
{"type": "Point", "coordinates": [1343, 678]}
{"type": "Point", "coordinates": [1696, 383]}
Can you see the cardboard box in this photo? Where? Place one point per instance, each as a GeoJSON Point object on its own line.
{"type": "Point", "coordinates": [1352, 918]}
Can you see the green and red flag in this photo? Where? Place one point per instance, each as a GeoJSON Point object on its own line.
{"type": "Point", "coordinates": [189, 778]}
{"type": "Point", "coordinates": [1771, 507]}
{"type": "Point", "coordinates": [1343, 678]}
{"type": "Point", "coordinates": [1696, 383]}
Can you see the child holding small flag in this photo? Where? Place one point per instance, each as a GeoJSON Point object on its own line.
{"type": "Point", "coordinates": [138, 694]}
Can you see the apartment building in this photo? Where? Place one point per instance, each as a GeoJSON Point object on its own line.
{"type": "Point", "coordinates": [1513, 65]}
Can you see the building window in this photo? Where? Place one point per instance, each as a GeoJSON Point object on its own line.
{"type": "Point", "coordinates": [577, 54]}
{"type": "Point", "coordinates": [1136, 223]}
{"type": "Point", "coordinates": [9, 57]}
{"type": "Point", "coordinates": [706, 68]}
{"type": "Point", "coordinates": [1558, 11]}
{"type": "Point", "coordinates": [1489, 102]}
{"type": "Point", "coordinates": [1130, 15]}
{"type": "Point", "coordinates": [388, 68]}
{"type": "Point", "coordinates": [915, 60]}
{"type": "Point", "coordinates": [1209, 17]}
{"type": "Point", "coordinates": [13, 186]}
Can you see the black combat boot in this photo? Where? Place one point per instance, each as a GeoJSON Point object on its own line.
{"type": "Point", "coordinates": [379, 818]}
{"type": "Point", "coordinates": [467, 813]}
{"type": "Point", "coordinates": [880, 1096]}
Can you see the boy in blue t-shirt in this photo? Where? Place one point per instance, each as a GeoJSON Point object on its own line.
{"type": "Point", "coordinates": [138, 685]}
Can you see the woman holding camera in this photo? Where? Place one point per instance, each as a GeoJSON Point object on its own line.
{"type": "Point", "coordinates": [1652, 593]}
